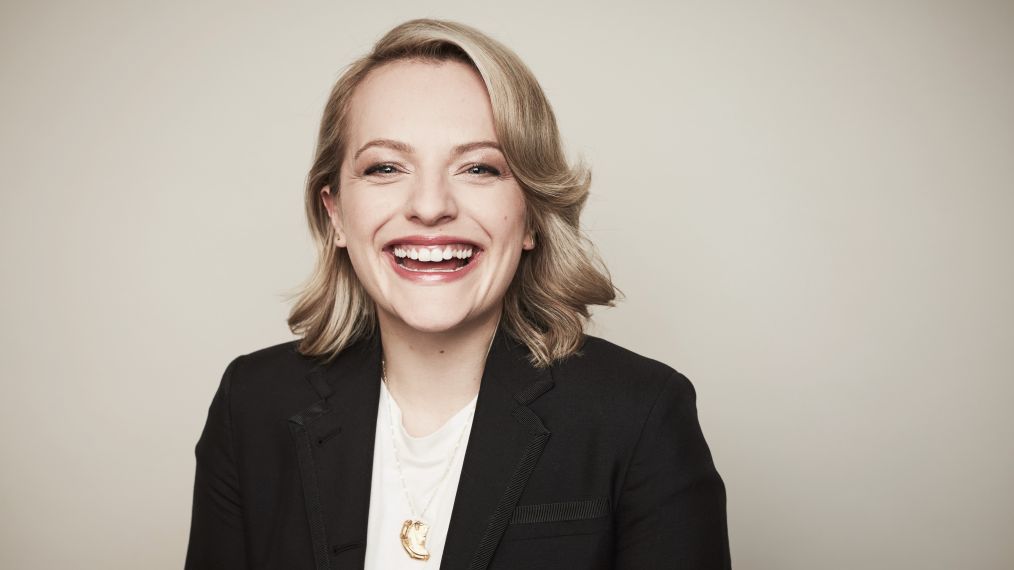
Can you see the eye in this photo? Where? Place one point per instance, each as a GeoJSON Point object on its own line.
{"type": "Point", "coordinates": [381, 168]}
{"type": "Point", "coordinates": [480, 169]}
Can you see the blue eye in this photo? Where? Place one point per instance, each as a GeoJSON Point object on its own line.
{"type": "Point", "coordinates": [480, 169]}
{"type": "Point", "coordinates": [381, 168]}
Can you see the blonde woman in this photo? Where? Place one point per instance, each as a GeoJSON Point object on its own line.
{"type": "Point", "coordinates": [443, 407]}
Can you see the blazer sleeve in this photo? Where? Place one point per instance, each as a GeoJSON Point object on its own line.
{"type": "Point", "coordinates": [672, 508]}
{"type": "Point", "coordinates": [216, 528]}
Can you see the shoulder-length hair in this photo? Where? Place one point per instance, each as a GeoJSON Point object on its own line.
{"type": "Point", "coordinates": [546, 305]}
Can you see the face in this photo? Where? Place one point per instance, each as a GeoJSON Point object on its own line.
{"type": "Point", "coordinates": [428, 209]}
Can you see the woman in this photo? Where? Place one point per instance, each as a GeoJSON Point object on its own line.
{"type": "Point", "coordinates": [443, 407]}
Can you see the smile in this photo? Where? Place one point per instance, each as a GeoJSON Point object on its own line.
{"type": "Point", "coordinates": [446, 258]}
{"type": "Point", "coordinates": [433, 263]}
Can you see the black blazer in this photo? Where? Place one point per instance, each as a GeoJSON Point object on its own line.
{"type": "Point", "coordinates": [597, 462]}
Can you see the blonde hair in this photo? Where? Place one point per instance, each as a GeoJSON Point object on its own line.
{"type": "Point", "coordinates": [546, 305]}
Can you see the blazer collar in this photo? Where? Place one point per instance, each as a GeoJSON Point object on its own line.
{"type": "Point", "coordinates": [334, 440]}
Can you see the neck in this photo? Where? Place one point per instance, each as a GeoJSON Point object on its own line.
{"type": "Point", "coordinates": [433, 375]}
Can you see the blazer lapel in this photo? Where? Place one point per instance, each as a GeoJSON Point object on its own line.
{"type": "Point", "coordinates": [504, 445]}
{"type": "Point", "coordinates": [334, 440]}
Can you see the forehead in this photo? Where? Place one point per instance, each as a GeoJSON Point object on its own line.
{"type": "Point", "coordinates": [421, 103]}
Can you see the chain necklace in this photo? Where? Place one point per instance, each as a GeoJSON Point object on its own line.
{"type": "Point", "coordinates": [414, 531]}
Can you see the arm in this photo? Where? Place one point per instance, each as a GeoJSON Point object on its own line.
{"type": "Point", "coordinates": [671, 511]}
{"type": "Point", "coordinates": [216, 529]}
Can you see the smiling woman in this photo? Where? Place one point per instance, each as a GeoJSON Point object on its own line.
{"type": "Point", "coordinates": [423, 175]}
{"type": "Point", "coordinates": [443, 405]}
{"type": "Point", "coordinates": [436, 109]}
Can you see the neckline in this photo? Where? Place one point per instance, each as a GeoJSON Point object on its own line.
{"type": "Point", "coordinates": [452, 424]}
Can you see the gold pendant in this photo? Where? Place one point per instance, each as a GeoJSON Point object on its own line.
{"type": "Point", "coordinates": [413, 538]}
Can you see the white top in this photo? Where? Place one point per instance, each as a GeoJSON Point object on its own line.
{"type": "Point", "coordinates": [423, 461]}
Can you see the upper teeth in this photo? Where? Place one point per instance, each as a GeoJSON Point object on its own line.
{"type": "Point", "coordinates": [438, 253]}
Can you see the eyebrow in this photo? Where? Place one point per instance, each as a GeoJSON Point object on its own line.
{"type": "Point", "coordinates": [407, 148]}
{"type": "Point", "coordinates": [463, 148]}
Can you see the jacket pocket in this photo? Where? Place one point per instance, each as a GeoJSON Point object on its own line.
{"type": "Point", "coordinates": [586, 516]}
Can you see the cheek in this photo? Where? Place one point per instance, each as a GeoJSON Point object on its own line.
{"type": "Point", "coordinates": [360, 216]}
{"type": "Point", "coordinates": [510, 218]}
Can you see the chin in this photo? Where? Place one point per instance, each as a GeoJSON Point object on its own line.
{"type": "Point", "coordinates": [433, 320]}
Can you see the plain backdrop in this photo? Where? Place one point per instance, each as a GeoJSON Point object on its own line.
{"type": "Point", "coordinates": [808, 206]}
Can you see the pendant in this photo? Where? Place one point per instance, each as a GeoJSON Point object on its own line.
{"type": "Point", "coordinates": [413, 538]}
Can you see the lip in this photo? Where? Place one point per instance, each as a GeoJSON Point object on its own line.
{"type": "Point", "coordinates": [430, 240]}
{"type": "Point", "coordinates": [434, 277]}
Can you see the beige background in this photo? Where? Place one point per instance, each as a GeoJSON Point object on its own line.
{"type": "Point", "coordinates": [808, 206]}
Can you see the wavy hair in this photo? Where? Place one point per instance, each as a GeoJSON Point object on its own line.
{"type": "Point", "coordinates": [546, 305]}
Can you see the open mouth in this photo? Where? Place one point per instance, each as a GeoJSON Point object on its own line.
{"type": "Point", "coordinates": [434, 259]}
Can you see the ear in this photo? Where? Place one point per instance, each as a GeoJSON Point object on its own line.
{"type": "Point", "coordinates": [334, 213]}
{"type": "Point", "coordinates": [529, 242]}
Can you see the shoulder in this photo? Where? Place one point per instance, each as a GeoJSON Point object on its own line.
{"type": "Point", "coordinates": [600, 353]}
{"type": "Point", "coordinates": [603, 370]}
{"type": "Point", "coordinates": [273, 373]}
{"type": "Point", "coordinates": [281, 357]}
{"type": "Point", "coordinates": [602, 360]}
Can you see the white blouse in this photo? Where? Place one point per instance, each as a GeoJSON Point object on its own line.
{"type": "Point", "coordinates": [423, 461]}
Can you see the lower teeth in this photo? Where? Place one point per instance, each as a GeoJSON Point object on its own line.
{"type": "Point", "coordinates": [401, 262]}
{"type": "Point", "coordinates": [433, 270]}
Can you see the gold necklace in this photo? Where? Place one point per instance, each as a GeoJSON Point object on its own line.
{"type": "Point", "coordinates": [415, 531]}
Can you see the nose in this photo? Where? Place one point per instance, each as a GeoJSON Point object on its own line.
{"type": "Point", "coordinates": [431, 201]}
